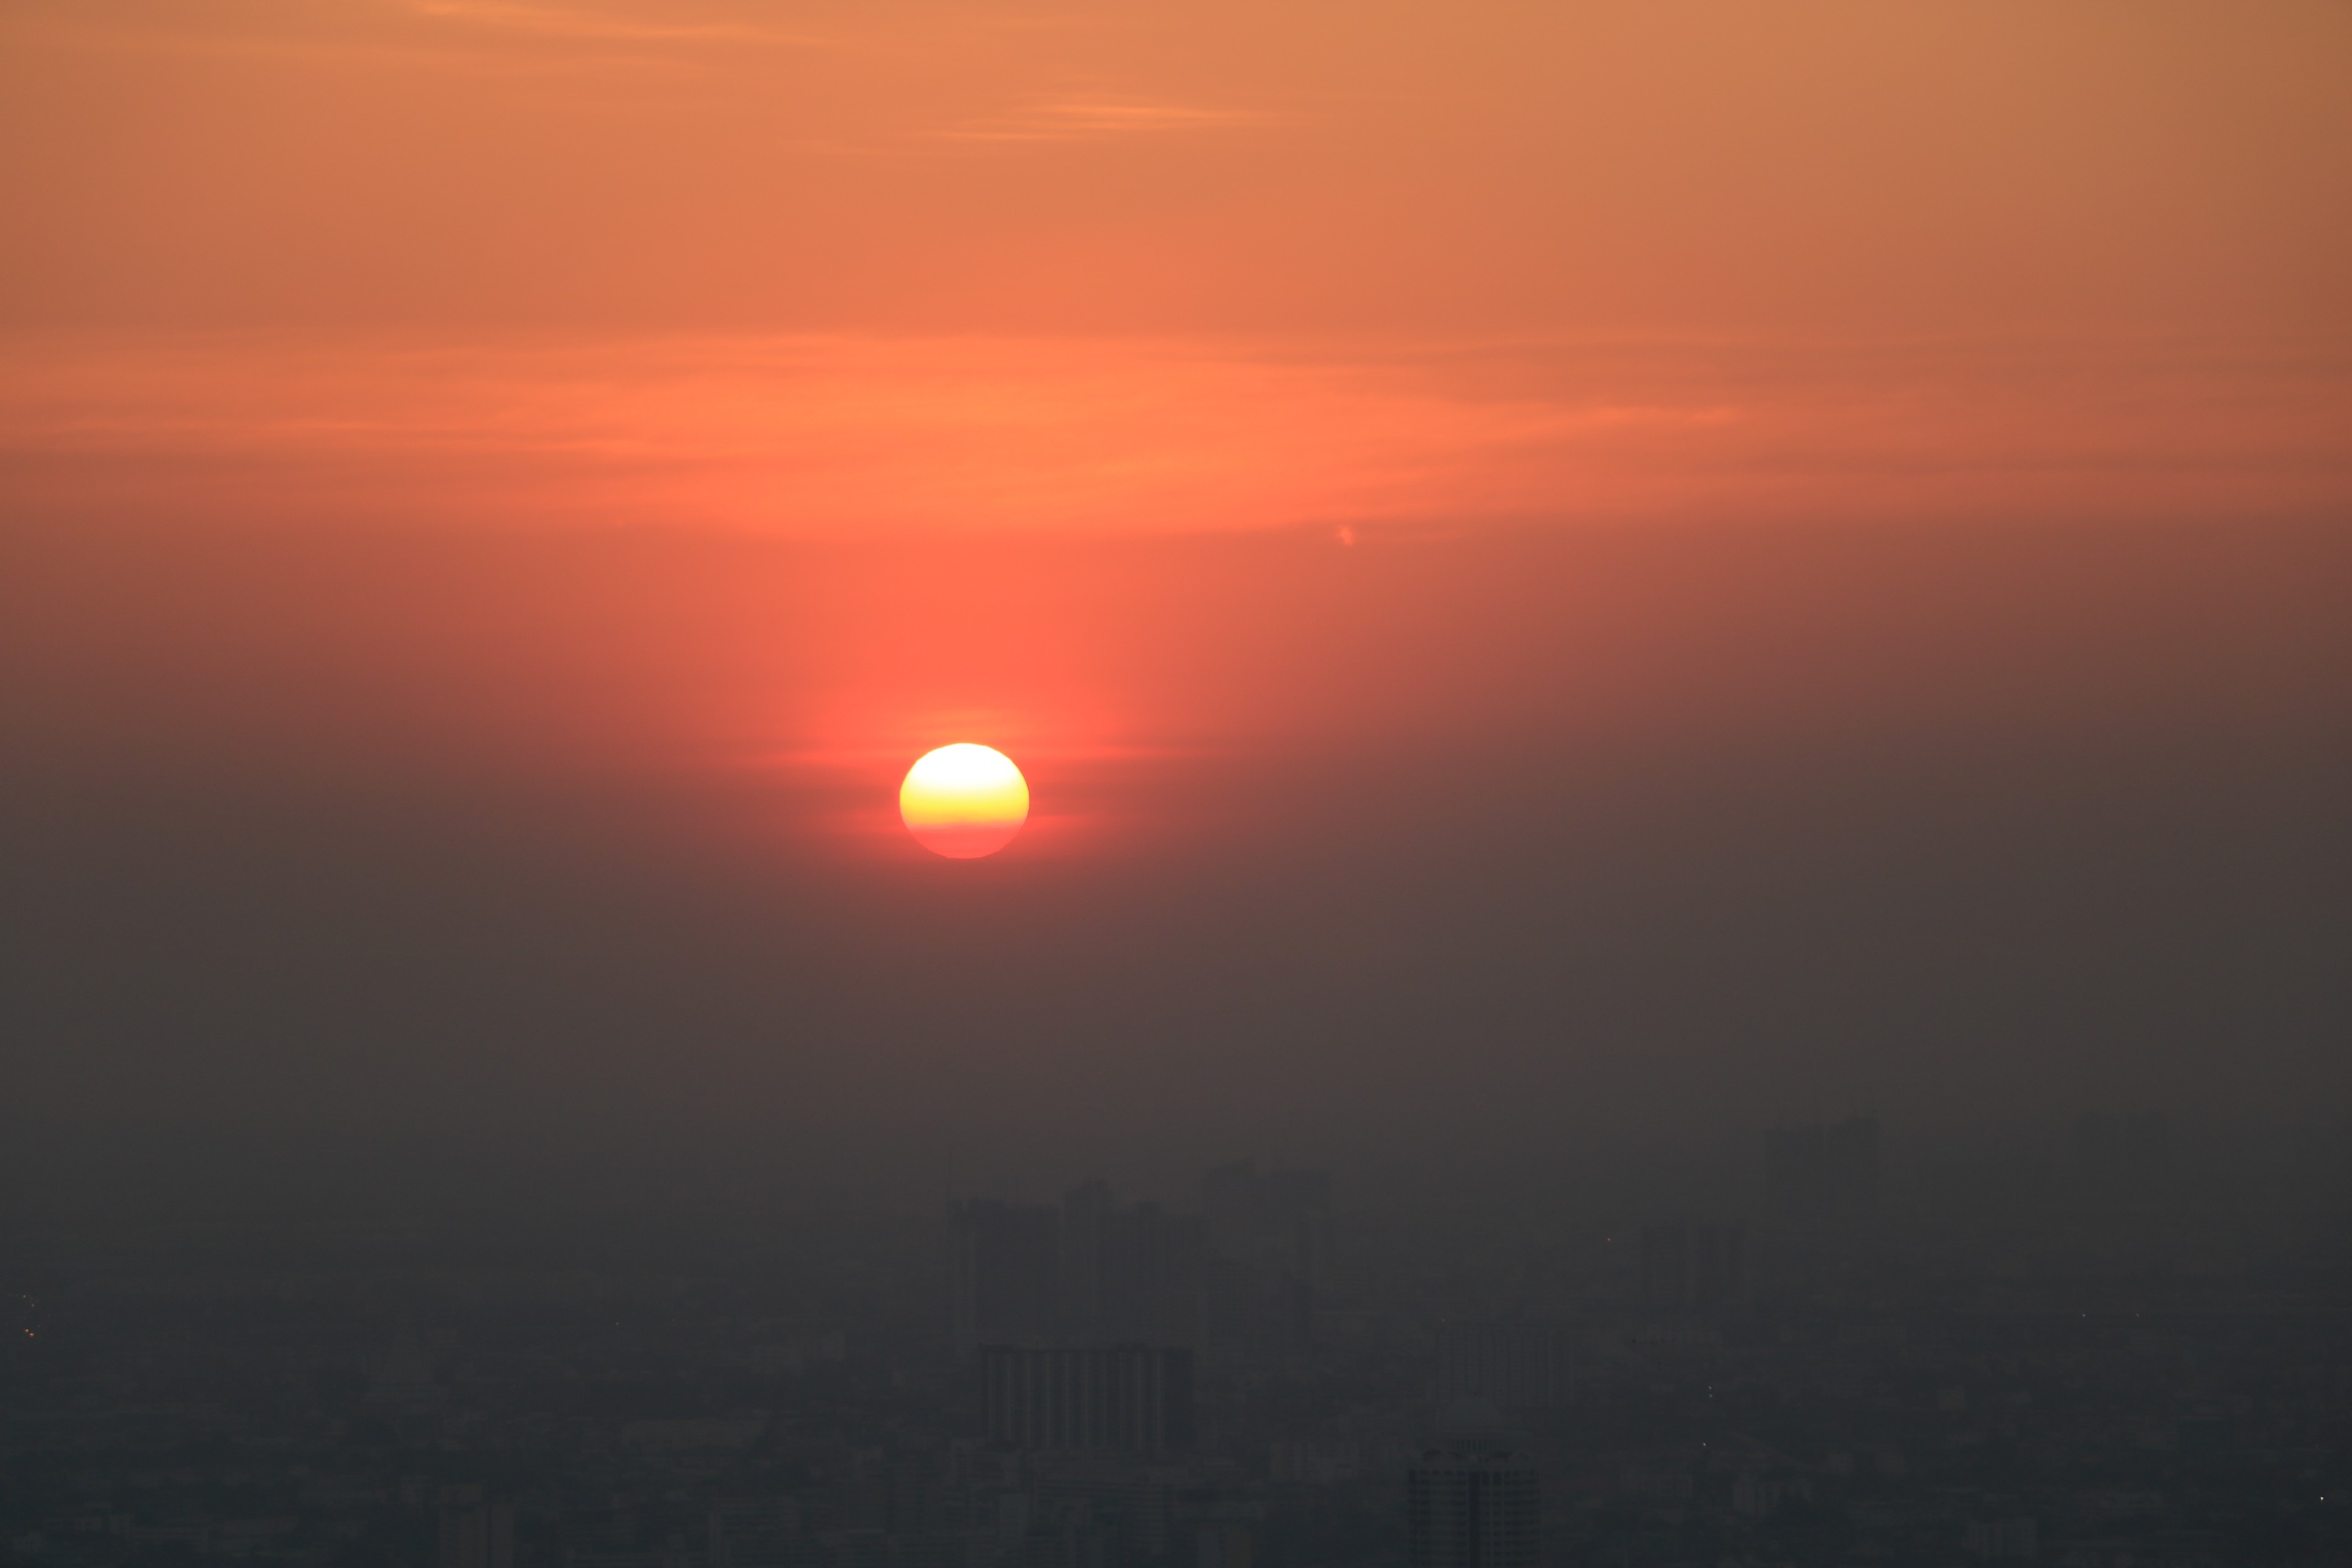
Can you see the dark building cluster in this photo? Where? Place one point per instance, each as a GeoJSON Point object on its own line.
{"type": "Point", "coordinates": [2091, 1353]}
{"type": "Point", "coordinates": [1239, 1275]}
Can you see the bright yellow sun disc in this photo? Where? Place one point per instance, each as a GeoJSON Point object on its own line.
{"type": "Point", "coordinates": [963, 800]}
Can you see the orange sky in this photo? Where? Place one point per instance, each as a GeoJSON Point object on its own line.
{"type": "Point", "coordinates": [1753, 504]}
{"type": "Point", "coordinates": [830, 269]}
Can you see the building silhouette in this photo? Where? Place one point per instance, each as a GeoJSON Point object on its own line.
{"type": "Point", "coordinates": [1130, 1272]}
{"type": "Point", "coordinates": [1240, 1278]}
{"type": "Point", "coordinates": [2003, 1538]}
{"type": "Point", "coordinates": [1693, 1266]}
{"type": "Point", "coordinates": [474, 1533]}
{"type": "Point", "coordinates": [1516, 1366]}
{"type": "Point", "coordinates": [1133, 1399]}
{"type": "Point", "coordinates": [1473, 1503]}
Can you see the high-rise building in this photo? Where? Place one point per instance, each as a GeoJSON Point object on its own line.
{"type": "Point", "coordinates": [1129, 1273]}
{"type": "Point", "coordinates": [1693, 1266]}
{"type": "Point", "coordinates": [474, 1533]}
{"type": "Point", "coordinates": [1224, 1543]}
{"type": "Point", "coordinates": [1514, 1366]}
{"type": "Point", "coordinates": [2002, 1538]}
{"type": "Point", "coordinates": [1477, 1506]}
{"type": "Point", "coordinates": [1096, 1272]}
{"type": "Point", "coordinates": [1092, 1271]}
{"type": "Point", "coordinates": [1134, 1399]}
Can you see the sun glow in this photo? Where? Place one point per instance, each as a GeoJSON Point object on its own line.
{"type": "Point", "coordinates": [963, 800]}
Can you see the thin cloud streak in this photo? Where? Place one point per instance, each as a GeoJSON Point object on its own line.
{"type": "Point", "coordinates": [1086, 119]}
{"type": "Point", "coordinates": [451, 59]}
{"type": "Point", "coordinates": [448, 35]}
{"type": "Point", "coordinates": [572, 22]}
{"type": "Point", "coordinates": [844, 434]}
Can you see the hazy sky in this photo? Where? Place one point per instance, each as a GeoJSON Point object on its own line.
{"type": "Point", "coordinates": [1550, 566]}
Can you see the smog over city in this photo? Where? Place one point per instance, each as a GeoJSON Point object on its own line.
{"type": "Point", "coordinates": [938, 784]}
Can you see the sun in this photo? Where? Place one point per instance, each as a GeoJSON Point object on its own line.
{"type": "Point", "coordinates": [963, 800]}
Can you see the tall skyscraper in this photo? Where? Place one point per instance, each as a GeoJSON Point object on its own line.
{"type": "Point", "coordinates": [1475, 1506]}
{"type": "Point", "coordinates": [1693, 1266]}
{"type": "Point", "coordinates": [1092, 1271]}
{"type": "Point", "coordinates": [1129, 1273]}
{"type": "Point", "coordinates": [1095, 1271]}
{"type": "Point", "coordinates": [1516, 1366]}
{"type": "Point", "coordinates": [474, 1533]}
{"type": "Point", "coordinates": [1135, 1399]}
